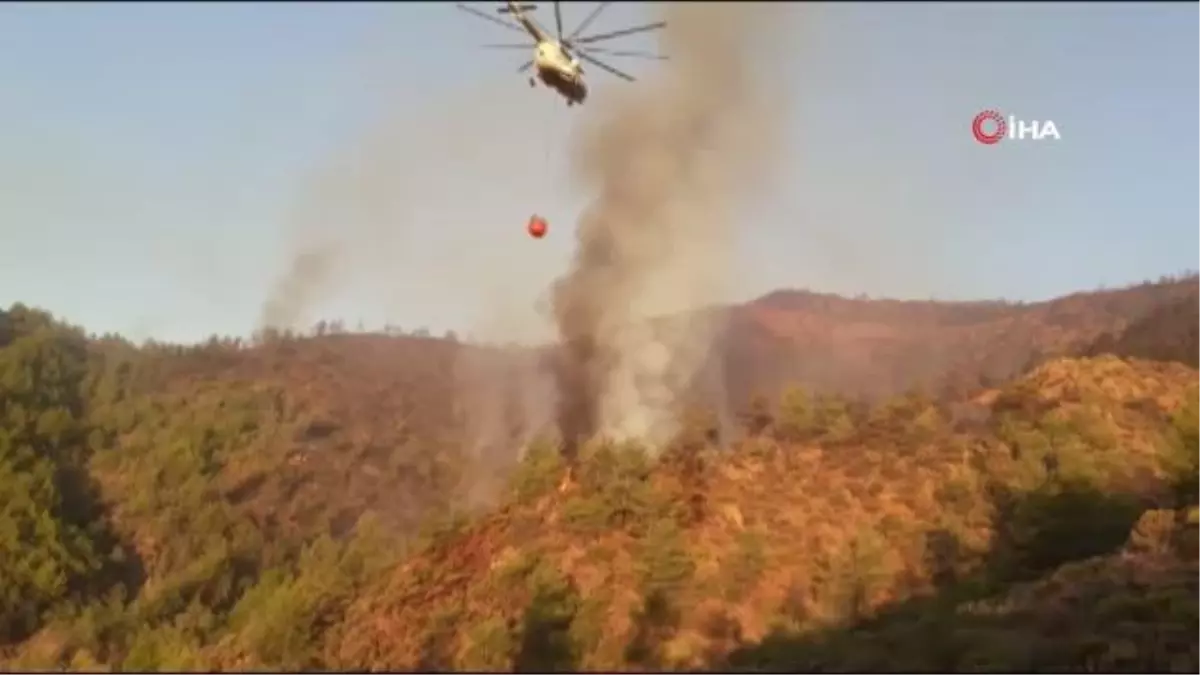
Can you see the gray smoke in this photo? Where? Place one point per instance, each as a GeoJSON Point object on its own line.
{"type": "Point", "coordinates": [670, 161]}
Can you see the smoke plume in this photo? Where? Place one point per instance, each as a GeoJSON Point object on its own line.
{"type": "Point", "coordinates": [382, 219]}
{"type": "Point", "coordinates": [668, 160]}
{"type": "Point", "coordinates": [669, 164]}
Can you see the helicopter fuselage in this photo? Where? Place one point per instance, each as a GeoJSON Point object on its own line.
{"type": "Point", "coordinates": [555, 67]}
{"type": "Point", "coordinates": [556, 57]}
{"type": "Point", "coordinates": [557, 70]}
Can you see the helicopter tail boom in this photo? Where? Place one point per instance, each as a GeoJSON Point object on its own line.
{"type": "Point", "coordinates": [515, 9]}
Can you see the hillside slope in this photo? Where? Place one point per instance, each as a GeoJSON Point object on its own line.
{"type": "Point", "coordinates": [159, 485]}
{"type": "Point", "coordinates": [1169, 332]}
{"type": "Point", "coordinates": [238, 505]}
{"type": "Point", "coordinates": [618, 564]}
{"type": "Point", "coordinates": [876, 348]}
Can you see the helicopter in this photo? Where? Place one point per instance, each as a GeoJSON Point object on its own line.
{"type": "Point", "coordinates": [556, 59]}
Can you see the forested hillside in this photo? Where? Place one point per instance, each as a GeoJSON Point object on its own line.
{"type": "Point", "coordinates": [152, 494]}
{"type": "Point", "coordinates": [1169, 332]}
{"type": "Point", "coordinates": [297, 503]}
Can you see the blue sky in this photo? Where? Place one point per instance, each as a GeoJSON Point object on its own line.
{"type": "Point", "coordinates": [162, 163]}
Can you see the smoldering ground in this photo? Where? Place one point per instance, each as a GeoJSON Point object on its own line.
{"type": "Point", "coordinates": [669, 161]}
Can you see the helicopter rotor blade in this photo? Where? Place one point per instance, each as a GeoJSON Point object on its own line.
{"type": "Point", "coordinates": [596, 62]}
{"type": "Point", "coordinates": [508, 46]}
{"type": "Point", "coordinates": [618, 33]}
{"type": "Point", "coordinates": [526, 66]}
{"type": "Point", "coordinates": [611, 52]}
{"type": "Point", "coordinates": [588, 21]}
{"type": "Point", "coordinates": [558, 19]}
{"type": "Point", "coordinates": [488, 17]}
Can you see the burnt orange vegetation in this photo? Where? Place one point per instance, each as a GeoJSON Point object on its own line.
{"type": "Point", "coordinates": [927, 486]}
{"type": "Point", "coordinates": [878, 348]}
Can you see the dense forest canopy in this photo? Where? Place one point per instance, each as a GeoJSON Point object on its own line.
{"type": "Point", "coordinates": [297, 502]}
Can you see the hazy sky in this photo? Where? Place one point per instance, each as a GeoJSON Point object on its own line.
{"type": "Point", "coordinates": [161, 164]}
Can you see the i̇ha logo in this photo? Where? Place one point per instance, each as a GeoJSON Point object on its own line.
{"type": "Point", "coordinates": [990, 127]}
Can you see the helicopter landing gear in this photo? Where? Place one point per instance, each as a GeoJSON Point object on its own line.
{"type": "Point", "coordinates": [532, 83]}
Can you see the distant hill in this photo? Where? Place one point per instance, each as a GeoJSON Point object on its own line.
{"type": "Point", "coordinates": [874, 348]}
{"type": "Point", "coordinates": [1169, 332]}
